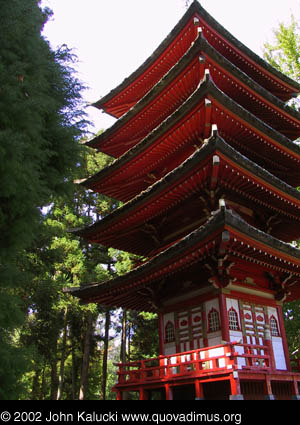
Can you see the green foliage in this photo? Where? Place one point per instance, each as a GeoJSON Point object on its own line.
{"type": "Point", "coordinates": [145, 340]}
{"type": "Point", "coordinates": [292, 325]}
{"type": "Point", "coordinates": [285, 54]}
{"type": "Point", "coordinates": [41, 122]}
{"type": "Point", "coordinates": [41, 119]}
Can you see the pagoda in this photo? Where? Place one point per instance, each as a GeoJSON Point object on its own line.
{"type": "Point", "coordinates": [206, 164]}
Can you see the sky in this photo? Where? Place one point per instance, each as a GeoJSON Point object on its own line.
{"type": "Point", "coordinates": [111, 38]}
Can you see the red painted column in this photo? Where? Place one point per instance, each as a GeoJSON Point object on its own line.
{"type": "Point", "coordinates": [119, 395]}
{"type": "Point", "coordinates": [295, 389]}
{"type": "Point", "coordinates": [143, 394]}
{"type": "Point", "coordinates": [268, 389]}
{"type": "Point", "coordinates": [161, 333]}
{"type": "Point", "coordinates": [199, 390]}
{"type": "Point", "coordinates": [224, 318]}
{"type": "Point", "coordinates": [169, 392]}
{"type": "Point", "coordinates": [235, 387]}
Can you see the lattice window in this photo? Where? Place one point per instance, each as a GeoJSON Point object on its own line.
{"type": "Point", "coordinates": [233, 320]}
{"type": "Point", "coordinates": [274, 326]}
{"type": "Point", "coordinates": [213, 320]}
{"type": "Point", "coordinates": [169, 332]}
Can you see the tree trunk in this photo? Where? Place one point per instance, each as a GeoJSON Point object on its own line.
{"type": "Point", "coordinates": [123, 347]}
{"type": "Point", "coordinates": [35, 384]}
{"type": "Point", "coordinates": [53, 394]}
{"type": "Point", "coordinates": [43, 388]}
{"type": "Point", "coordinates": [123, 339]}
{"type": "Point", "coordinates": [75, 364]}
{"type": "Point", "coordinates": [105, 353]}
{"type": "Point", "coordinates": [86, 358]}
{"type": "Point", "coordinates": [128, 342]}
{"type": "Point", "coordinates": [63, 355]}
{"type": "Point", "coordinates": [53, 365]}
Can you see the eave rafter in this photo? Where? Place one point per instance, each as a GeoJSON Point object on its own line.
{"type": "Point", "coordinates": [226, 238]}
{"type": "Point", "coordinates": [124, 96]}
{"type": "Point", "coordinates": [121, 99]}
{"type": "Point", "coordinates": [179, 84]}
{"type": "Point", "coordinates": [264, 256]}
{"type": "Point", "coordinates": [253, 65]}
{"type": "Point", "coordinates": [146, 224]}
{"type": "Point", "coordinates": [175, 140]}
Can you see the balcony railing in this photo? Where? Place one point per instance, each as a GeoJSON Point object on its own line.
{"type": "Point", "coordinates": [209, 360]}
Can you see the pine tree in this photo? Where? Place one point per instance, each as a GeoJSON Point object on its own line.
{"type": "Point", "coordinates": [41, 119]}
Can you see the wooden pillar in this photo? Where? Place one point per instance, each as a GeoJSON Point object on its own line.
{"type": "Point", "coordinates": [235, 387]}
{"type": "Point", "coordinates": [268, 389]}
{"type": "Point", "coordinates": [119, 395]}
{"type": "Point", "coordinates": [224, 318]}
{"type": "Point", "coordinates": [161, 333]}
{"type": "Point", "coordinates": [198, 390]}
{"type": "Point", "coordinates": [296, 395]}
{"type": "Point", "coordinates": [143, 394]}
{"type": "Point", "coordinates": [169, 392]}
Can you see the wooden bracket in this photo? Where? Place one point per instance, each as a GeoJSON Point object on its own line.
{"type": "Point", "coordinates": [280, 286]}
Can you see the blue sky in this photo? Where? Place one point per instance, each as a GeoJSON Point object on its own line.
{"type": "Point", "coordinates": [113, 37]}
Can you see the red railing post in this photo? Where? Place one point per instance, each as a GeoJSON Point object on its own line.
{"type": "Point", "coordinates": [198, 361]}
{"type": "Point", "coordinates": [232, 355]}
{"type": "Point", "coordinates": [178, 364]}
{"type": "Point", "coordinates": [162, 371]}
{"type": "Point", "coordinates": [168, 362]}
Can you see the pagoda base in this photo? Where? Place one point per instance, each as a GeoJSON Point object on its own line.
{"type": "Point", "coordinates": [212, 373]}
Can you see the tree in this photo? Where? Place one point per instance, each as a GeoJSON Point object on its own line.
{"type": "Point", "coordinates": [284, 55]}
{"type": "Point", "coordinates": [41, 119]}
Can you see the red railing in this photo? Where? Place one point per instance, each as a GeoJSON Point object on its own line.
{"type": "Point", "coordinates": [209, 360]}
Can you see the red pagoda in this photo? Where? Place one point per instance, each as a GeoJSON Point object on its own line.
{"type": "Point", "coordinates": [206, 166]}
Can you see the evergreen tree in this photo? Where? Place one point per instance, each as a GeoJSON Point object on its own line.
{"type": "Point", "coordinates": [40, 120]}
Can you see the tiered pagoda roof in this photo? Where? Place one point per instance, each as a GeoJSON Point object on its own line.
{"type": "Point", "coordinates": [202, 119]}
{"type": "Point", "coordinates": [133, 88]}
{"type": "Point", "coordinates": [177, 137]}
{"type": "Point", "coordinates": [179, 83]}
{"type": "Point", "coordinates": [224, 237]}
{"type": "Point", "coordinates": [185, 198]}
